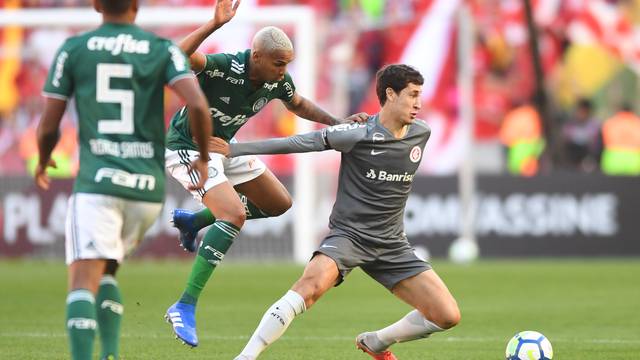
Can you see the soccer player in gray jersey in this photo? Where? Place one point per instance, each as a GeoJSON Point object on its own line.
{"type": "Point", "coordinates": [237, 87]}
{"type": "Point", "coordinates": [117, 74]}
{"type": "Point", "coordinates": [379, 161]}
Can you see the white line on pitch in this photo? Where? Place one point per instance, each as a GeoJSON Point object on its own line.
{"type": "Point", "coordinates": [322, 338]}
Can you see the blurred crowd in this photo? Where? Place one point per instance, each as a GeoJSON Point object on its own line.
{"type": "Point", "coordinates": [589, 56]}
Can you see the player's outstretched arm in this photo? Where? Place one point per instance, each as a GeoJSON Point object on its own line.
{"type": "Point", "coordinates": [308, 142]}
{"type": "Point", "coordinates": [341, 137]}
{"type": "Point", "coordinates": [306, 109]}
{"type": "Point", "coordinates": [199, 120]}
{"type": "Point", "coordinates": [48, 134]}
{"type": "Point", "coordinates": [225, 10]}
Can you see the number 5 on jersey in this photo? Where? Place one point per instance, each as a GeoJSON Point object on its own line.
{"type": "Point", "coordinates": [105, 94]}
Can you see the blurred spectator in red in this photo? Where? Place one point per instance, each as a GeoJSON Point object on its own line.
{"type": "Point", "coordinates": [581, 137]}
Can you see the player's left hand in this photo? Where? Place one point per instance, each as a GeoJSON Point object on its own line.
{"type": "Point", "coordinates": [202, 167]}
{"type": "Point", "coordinates": [361, 117]}
{"type": "Point", "coordinates": [225, 11]}
{"type": "Point", "coordinates": [217, 145]}
{"type": "Point", "coordinates": [42, 179]}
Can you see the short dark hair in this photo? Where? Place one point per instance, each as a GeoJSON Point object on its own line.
{"type": "Point", "coordinates": [396, 77]}
{"type": "Point", "coordinates": [115, 7]}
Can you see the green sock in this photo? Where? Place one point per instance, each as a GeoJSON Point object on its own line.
{"type": "Point", "coordinates": [215, 244]}
{"type": "Point", "coordinates": [252, 211]}
{"type": "Point", "coordinates": [109, 313]}
{"type": "Point", "coordinates": [204, 217]}
{"type": "Point", "coordinates": [81, 323]}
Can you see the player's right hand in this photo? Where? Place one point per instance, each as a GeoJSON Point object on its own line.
{"type": "Point", "coordinates": [360, 117]}
{"type": "Point", "coordinates": [217, 145]}
{"type": "Point", "coordinates": [202, 167]}
{"type": "Point", "coordinates": [41, 177]}
{"type": "Point", "coordinates": [225, 11]}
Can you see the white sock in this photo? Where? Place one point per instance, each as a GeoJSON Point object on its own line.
{"type": "Point", "coordinates": [274, 323]}
{"type": "Point", "coordinates": [411, 327]}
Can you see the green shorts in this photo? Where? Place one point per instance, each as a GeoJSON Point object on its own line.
{"type": "Point", "coordinates": [388, 266]}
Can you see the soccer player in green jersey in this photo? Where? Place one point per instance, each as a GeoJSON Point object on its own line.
{"type": "Point", "coordinates": [117, 74]}
{"type": "Point", "coordinates": [237, 87]}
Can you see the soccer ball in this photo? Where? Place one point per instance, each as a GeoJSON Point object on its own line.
{"type": "Point", "coordinates": [529, 345]}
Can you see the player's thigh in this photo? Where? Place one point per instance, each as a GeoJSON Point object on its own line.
{"type": "Point", "coordinates": [224, 203]}
{"type": "Point", "coordinates": [92, 236]}
{"type": "Point", "coordinates": [320, 275]}
{"type": "Point", "coordinates": [267, 193]}
{"type": "Point", "coordinates": [394, 264]}
{"type": "Point", "coordinates": [428, 293]}
{"type": "Point", "coordinates": [345, 252]}
{"type": "Point", "coordinates": [138, 218]}
{"type": "Point", "coordinates": [93, 228]}
{"type": "Point", "coordinates": [178, 164]}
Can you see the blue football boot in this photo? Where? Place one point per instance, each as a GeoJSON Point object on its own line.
{"type": "Point", "coordinates": [183, 318]}
{"type": "Point", "coordinates": [183, 220]}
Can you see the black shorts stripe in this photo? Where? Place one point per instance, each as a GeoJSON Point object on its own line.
{"type": "Point", "coordinates": [193, 175]}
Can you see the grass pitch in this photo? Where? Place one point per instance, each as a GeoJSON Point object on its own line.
{"type": "Point", "coordinates": [588, 309]}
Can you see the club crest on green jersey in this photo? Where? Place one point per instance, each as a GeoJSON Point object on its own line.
{"type": "Point", "coordinates": [259, 104]}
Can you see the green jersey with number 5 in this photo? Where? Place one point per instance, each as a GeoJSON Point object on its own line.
{"type": "Point", "coordinates": [117, 74]}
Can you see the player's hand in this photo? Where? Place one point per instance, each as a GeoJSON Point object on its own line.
{"type": "Point", "coordinates": [361, 117]}
{"type": "Point", "coordinates": [202, 167]}
{"type": "Point", "coordinates": [41, 177]}
{"type": "Point", "coordinates": [225, 11]}
{"type": "Point", "coordinates": [217, 145]}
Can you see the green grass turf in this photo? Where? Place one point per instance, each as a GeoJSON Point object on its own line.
{"type": "Point", "coordinates": [588, 309]}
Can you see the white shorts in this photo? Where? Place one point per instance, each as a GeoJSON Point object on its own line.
{"type": "Point", "coordinates": [106, 227]}
{"type": "Point", "coordinates": [236, 170]}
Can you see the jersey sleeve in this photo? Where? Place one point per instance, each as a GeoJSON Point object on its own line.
{"type": "Point", "coordinates": [308, 142]}
{"type": "Point", "coordinates": [59, 84]}
{"type": "Point", "coordinates": [344, 137]}
{"type": "Point", "coordinates": [216, 62]}
{"type": "Point", "coordinates": [177, 66]}
{"type": "Point", "coordinates": [288, 88]}
{"type": "Point", "coordinates": [340, 137]}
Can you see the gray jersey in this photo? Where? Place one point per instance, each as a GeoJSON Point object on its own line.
{"type": "Point", "coordinates": [376, 174]}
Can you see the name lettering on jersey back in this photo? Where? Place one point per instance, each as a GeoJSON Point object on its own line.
{"type": "Point", "coordinates": [227, 120]}
{"type": "Point", "coordinates": [122, 178]}
{"type": "Point", "coordinates": [59, 68]}
{"type": "Point", "coordinates": [118, 44]}
{"type": "Point", "coordinates": [383, 175]}
{"type": "Point", "coordinates": [124, 149]}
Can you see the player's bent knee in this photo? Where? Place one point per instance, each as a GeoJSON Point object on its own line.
{"type": "Point", "coordinates": [236, 217]}
{"type": "Point", "coordinates": [448, 318]}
